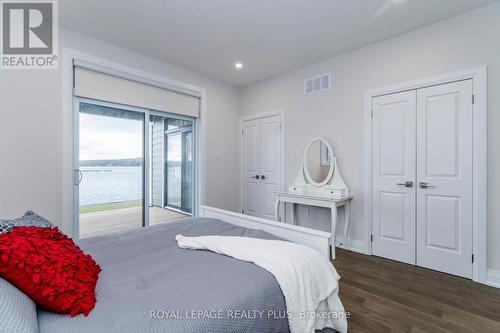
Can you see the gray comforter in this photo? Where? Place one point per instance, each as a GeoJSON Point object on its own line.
{"type": "Point", "coordinates": [148, 284]}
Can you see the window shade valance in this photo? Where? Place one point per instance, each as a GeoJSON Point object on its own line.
{"type": "Point", "coordinates": [106, 87]}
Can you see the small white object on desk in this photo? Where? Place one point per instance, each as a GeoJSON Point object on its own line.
{"type": "Point", "coordinates": [319, 183]}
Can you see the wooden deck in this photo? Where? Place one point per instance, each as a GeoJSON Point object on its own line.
{"type": "Point", "coordinates": [116, 220]}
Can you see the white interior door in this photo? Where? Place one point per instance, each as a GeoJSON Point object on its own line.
{"type": "Point", "coordinates": [393, 195]}
{"type": "Point", "coordinates": [261, 165]}
{"type": "Point", "coordinates": [251, 167]}
{"type": "Point", "coordinates": [270, 175]}
{"type": "Point", "coordinates": [444, 163]}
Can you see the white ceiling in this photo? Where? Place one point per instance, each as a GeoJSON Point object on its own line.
{"type": "Point", "coordinates": [269, 37]}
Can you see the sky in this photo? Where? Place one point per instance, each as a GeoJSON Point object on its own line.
{"type": "Point", "coordinates": [107, 138]}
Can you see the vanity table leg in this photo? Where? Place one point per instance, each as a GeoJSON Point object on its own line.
{"type": "Point", "coordinates": [292, 213]}
{"type": "Point", "coordinates": [347, 219]}
{"type": "Point", "coordinates": [334, 227]}
{"type": "Point", "coordinates": [277, 209]}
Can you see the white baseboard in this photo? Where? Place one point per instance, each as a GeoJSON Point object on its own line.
{"type": "Point", "coordinates": [493, 278]}
{"type": "Point", "coordinates": [354, 245]}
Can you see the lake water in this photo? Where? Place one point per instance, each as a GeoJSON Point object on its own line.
{"type": "Point", "coordinates": [110, 184]}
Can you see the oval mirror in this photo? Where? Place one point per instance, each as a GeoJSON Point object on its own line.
{"type": "Point", "coordinates": [318, 162]}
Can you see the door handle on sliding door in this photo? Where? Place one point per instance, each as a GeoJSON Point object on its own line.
{"type": "Point", "coordinates": [78, 176]}
{"type": "Point", "coordinates": [406, 184]}
{"type": "Point", "coordinates": [256, 177]}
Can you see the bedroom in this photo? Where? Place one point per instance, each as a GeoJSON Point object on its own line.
{"type": "Point", "coordinates": [217, 79]}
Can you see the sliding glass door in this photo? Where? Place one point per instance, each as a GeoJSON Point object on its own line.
{"type": "Point", "coordinates": [179, 177]}
{"type": "Point", "coordinates": [111, 169]}
{"type": "Point", "coordinates": [134, 167]}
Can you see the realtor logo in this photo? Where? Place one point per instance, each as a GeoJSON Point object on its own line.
{"type": "Point", "coordinates": [29, 35]}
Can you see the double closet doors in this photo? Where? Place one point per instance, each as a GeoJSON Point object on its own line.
{"type": "Point", "coordinates": [261, 164]}
{"type": "Point", "coordinates": [422, 177]}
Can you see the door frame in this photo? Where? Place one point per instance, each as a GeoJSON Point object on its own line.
{"type": "Point", "coordinates": [479, 177]}
{"type": "Point", "coordinates": [70, 57]}
{"type": "Point", "coordinates": [277, 112]}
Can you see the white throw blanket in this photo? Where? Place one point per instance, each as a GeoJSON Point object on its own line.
{"type": "Point", "coordinates": [308, 281]}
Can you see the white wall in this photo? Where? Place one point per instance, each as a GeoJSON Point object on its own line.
{"type": "Point", "coordinates": [463, 42]}
{"type": "Point", "coordinates": [31, 126]}
{"type": "Point", "coordinates": [31, 132]}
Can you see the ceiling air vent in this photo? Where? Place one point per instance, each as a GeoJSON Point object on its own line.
{"type": "Point", "coordinates": [317, 84]}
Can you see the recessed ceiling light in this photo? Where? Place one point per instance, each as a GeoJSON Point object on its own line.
{"type": "Point", "coordinates": [238, 65]}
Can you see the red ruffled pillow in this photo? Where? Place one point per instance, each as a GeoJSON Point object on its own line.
{"type": "Point", "coordinates": [48, 267]}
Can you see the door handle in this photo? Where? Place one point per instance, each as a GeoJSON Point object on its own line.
{"type": "Point", "coordinates": [262, 177]}
{"type": "Point", "coordinates": [425, 185]}
{"type": "Point", "coordinates": [78, 176]}
{"type": "Point", "coordinates": [256, 177]}
{"type": "Point", "coordinates": [406, 184]}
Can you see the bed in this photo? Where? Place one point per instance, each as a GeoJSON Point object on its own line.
{"type": "Point", "coordinates": [148, 284]}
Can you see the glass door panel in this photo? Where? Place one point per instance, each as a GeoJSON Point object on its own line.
{"type": "Point", "coordinates": [174, 170]}
{"type": "Point", "coordinates": [187, 172]}
{"type": "Point", "coordinates": [111, 164]}
{"type": "Point", "coordinates": [170, 169]}
{"type": "Point", "coordinates": [179, 171]}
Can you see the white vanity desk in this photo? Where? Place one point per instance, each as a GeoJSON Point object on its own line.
{"type": "Point", "coordinates": [319, 183]}
{"type": "Point", "coordinates": [308, 200]}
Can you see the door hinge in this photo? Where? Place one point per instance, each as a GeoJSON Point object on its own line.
{"type": "Point", "coordinates": [473, 258]}
{"type": "Point", "coordinates": [371, 238]}
{"type": "Point", "coordinates": [473, 99]}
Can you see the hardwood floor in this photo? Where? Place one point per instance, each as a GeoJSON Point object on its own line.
{"type": "Point", "coordinates": [387, 296]}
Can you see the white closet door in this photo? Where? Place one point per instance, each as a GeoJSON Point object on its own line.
{"type": "Point", "coordinates": [270, 174]}
{"type": "Point", "coordinates": [261, 165]}
{"type": "Point", "coordinates": [393, 166]}
{"type": "Point", "coordinates": [251, 168]}
{"type": "Point", "coordinates": [444, 162]}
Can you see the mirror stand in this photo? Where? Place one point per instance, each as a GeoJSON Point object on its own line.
{"type": "Point", "coordinates": [332, 187]}
{"type": "Point", "coordinates": [335, 189]}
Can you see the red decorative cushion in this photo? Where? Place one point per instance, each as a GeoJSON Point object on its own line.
{"type": "Point", "coordinates": [48, 267]}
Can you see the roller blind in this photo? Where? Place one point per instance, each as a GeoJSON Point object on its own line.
{"type": "Point", "coordinates": [106, 87]}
